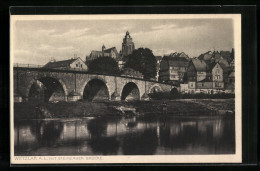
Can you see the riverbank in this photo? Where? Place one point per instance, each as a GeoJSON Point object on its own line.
{"type": "Point", "coordinates": [185, 107]}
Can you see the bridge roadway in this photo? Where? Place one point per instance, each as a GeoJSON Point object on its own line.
{"type": "Point", "coordinates": [73, 85]}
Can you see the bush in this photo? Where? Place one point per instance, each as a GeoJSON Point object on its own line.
{"type": "Point", "coordinates": [103, 65]}
{"type": "Point", "coordinates": [176, 95]}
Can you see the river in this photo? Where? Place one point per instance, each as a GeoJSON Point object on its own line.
{"type": "Point", "coordinates": [133, 135]}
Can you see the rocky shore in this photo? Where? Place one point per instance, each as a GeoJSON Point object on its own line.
{"type": "Point", "coordinates": [182, 107]}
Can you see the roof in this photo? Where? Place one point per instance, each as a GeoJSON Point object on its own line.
{"type": "Point", "coordinates": [211, 65]}
{"type": "Point", "coordinates": [181, 59]}
{"type": "Point", "coordinates": [109, 50]}
{"type": "Point", "coordinates": [225, 54]}
{"type": "Point", "coordinates": [95, 53]}
{"type": "Point", "coordinates": [206, 56]}
{"type": "Point", "coordinates": [205, 80]}
{"type": "Point", "coordinates": [176, 54]}
{"type": "Point", "coordinates": [223, 61]}
{"type": "Point", "coordinates": [59, 64]}
{"type": "Point", "coordinates": [232, 74]}
{"type": "Point", "coordinates": [199, 65]}
{"type": "Point", "coordinates": [224, 67]}
{"type": "Point", "coordinates": [177, 61]}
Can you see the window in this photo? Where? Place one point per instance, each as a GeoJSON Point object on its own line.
{"type": "Point", "coordinates": [81, 65]}
{"type": "Point", "coordinates": [202, 84]}
{"type": "Point", "coordinates": [218, 84]}
{"type": "Point", "coordinates": [76, 65]}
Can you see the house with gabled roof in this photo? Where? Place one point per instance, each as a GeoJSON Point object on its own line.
{"type": "Point", "coordinates": [204, 77]}
{"type": "Point", "coordinates": [197, 71]}
{"type": "Point", "coordinates": [217, 72]}
{"type": "Point", "coordinates": [173, 69]}
{"type": "Point", "coordinates": [73, 63]}
{"type": "Point", "coordinates": [230, 85]}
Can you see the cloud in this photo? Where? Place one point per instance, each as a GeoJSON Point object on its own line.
{"type": "Point", "coordinates": [164, 27]}
{"type": "Point", "coordinates": [41, 40]}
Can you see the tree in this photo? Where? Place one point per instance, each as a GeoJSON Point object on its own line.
{"type": "Point", "coordinates": [142, 60]}
{"type": "Point", "coordinates": [103, 65]}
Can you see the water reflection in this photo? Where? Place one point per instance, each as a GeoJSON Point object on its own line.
{"type": "Point", "coordinates": [46, 133]}
{"type": "Point", "coordinates": [125, 136]}
{"type": "Point", "coordinates": [144, 143]}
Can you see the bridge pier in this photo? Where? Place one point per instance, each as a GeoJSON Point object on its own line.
{"type": "Point", "coordinates": [115, 97]}
{"type": "Point", "coordinates": [145, 97]}
{"type": "Point", "coordinates": [73, 96]}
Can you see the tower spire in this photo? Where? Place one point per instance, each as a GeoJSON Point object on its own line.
{"type": "Point", "coordinates": [103, 48]}
{"type": "Point", "coordinates": [128, 45]}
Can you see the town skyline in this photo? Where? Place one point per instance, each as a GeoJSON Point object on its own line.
{"type": "Point", "coordinates": [43, 40]}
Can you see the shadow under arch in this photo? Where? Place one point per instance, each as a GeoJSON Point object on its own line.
{"type": "Point", "coordinates": [96, 90]}
{"type": "Point", "coordinates": [46, 89]}
{"type": "Point", "coordinates": [130, 92]}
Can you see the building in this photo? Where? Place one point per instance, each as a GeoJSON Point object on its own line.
{"type": "Point", "coordinates": [158, 61]}
{"type": "Point", "coordinates": [206, 78]}
{"type": "Point", "coordinates": [120, 62]}
{"type": "Point", "coordinates": [128, 45]}
{"type": "Point", "coordinates": [74, 63]}
{"type": "Point", "coordinates": [232, 65]}
{"type": "Point", "coordinates": [127, 48]}
{"type": "Point", "coordinates": [111, 52]}
{"type": "Point", "coordinates": [230, 85]}
{"type": "Point", "coordinates": [197, 71]}
{"type": "Point", "coordinates": [181, 55]}
{"type": "Point", "coordinates": [217, 72]}
{"type": "Point", "coordinates": [206, 56]}
{"type": "Point", "coordinates": [224, 57]}
{"type": "Point", "coordinates": [173, 69]}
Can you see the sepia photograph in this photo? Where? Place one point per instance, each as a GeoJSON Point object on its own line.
{"type": "Point", "coordinates": [160, 88]}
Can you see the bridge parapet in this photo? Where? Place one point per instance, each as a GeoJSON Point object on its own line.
{"type": "Point", "coordinates": [74, 81]}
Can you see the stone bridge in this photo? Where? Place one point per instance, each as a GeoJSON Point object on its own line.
{"type": "Point", "coordinates": [70, 85]}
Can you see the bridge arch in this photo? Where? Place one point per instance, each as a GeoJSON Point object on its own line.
{"type": "Point", "coordinates": [155, 87]}
{"type": "Point", "coordinates": [95, 89]}
{"type": "Point", "coordinates": [130, 91]}
{"type": "Point", "coordinates": [52, 87]}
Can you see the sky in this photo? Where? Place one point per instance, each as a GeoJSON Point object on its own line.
{"type": "Point", "coordinates": [36, 42]}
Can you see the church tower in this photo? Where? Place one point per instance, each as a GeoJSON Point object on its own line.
{"type": "Point", "coordinates": [103, 48]}
{"type": "Point", "coordinates": [127, 45]}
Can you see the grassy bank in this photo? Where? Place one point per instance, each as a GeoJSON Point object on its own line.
{"type": "Point", "coordinates": [176, 95]}
{"type": "Point", "coordinates": [83, 109]}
